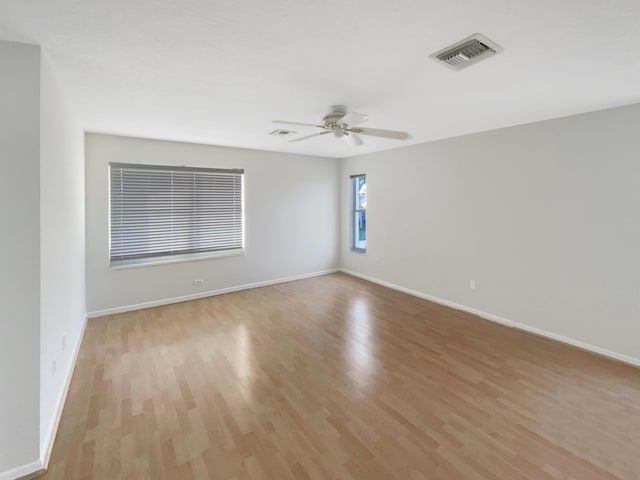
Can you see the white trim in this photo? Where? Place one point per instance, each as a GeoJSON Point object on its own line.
{"type": "Point", "coordinates": [165, 259]}
{"type": "Point", "coordinates": [210, 293]}
{"type": "Point", "coordinates": [501, 320]}
{"type": "Point", "coordinates": [45, 455]}
{"type": "Point", "coordinates": [21, 471]}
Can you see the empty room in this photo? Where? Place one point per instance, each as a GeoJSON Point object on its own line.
{"type": "Point", "coordinates": [320, 240]}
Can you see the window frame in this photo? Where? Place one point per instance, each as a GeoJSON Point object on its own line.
{"type": "Point", "coordinates": [163, 258]}
{"type": "Point", "coordinates": [353, 211]}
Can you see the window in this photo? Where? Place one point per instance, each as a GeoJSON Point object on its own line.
{"type": "Point", "coordinates": [171, 213]}
{"type": "Point", "coordinates": [358, 221]}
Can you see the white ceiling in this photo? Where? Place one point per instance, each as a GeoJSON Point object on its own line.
{"type": "Point", "coordinates": [218, 72]}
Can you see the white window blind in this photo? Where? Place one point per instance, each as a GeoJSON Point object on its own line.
{"type": "Point", "coordinates": [159, 211]}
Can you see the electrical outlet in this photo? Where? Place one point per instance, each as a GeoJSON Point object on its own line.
{"type": "Point", "coordinates": [472, 284]}
{"type": "Point", "coordinates": [198, 281]}
{"type": "Point", "coordinates": [64, 341]}
{"type": "Point", "coordinates": [53, 368]}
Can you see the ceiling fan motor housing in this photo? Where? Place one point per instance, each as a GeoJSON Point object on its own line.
{"type": "Point", "coordinates": [336, 112]}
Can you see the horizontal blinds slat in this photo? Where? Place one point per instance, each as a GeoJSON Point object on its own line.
{"type": "Point", "coordinates": [174, 244]}
{"type": "Point", "coordinates": [194, 240]}
{"type": "Point", "coordinates": [165, 211]}
{"type": "Point", "coordinates": [173, 248]}
{"type": "Point", "coordinates": [177, 246]}
{"type": "Point", "coordinates": [145, 222]}
{"type": "Point", "coordinates": [137, 227]}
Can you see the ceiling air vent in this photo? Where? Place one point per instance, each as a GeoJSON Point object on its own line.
{"type": "Point", "coordinates": [282, 133]}
{"type": "Point", "coordinates": [467, 52]}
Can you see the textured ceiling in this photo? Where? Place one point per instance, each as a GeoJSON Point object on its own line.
{"type": "Point", "coordinates": [219, 72]}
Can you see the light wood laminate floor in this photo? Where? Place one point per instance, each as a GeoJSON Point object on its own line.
{"type": "Point", "coordinates": [337, 378]}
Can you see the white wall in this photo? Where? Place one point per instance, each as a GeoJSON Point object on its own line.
{"type": "Point", "coordinates": [62, 285]}
{"type": "Point", "coordinates": [291, 225]}
{"type": "Point", "coordinates": [19, 254]}
{"type": "Point", "coordinates": [545, 217]}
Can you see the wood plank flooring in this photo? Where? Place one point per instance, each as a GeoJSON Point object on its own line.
{"type": "Point", "coordinates": [337, 378]}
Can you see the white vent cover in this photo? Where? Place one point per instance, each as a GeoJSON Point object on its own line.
{"type": "Point", "coordinates": [282, 133]}
{"type": "Point", "coordinates": [467, 52]}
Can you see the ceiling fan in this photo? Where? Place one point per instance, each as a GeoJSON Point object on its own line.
{"type": "Point", "coordinates": [342, 123]}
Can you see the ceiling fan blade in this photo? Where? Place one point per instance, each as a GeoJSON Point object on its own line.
{"type": "Point", "coordinates": [378, 132]}
{"type": "Point", "coordinates": [298, 123]}
{"type": "Point", "coordinates": [352, 139]}
{"type": "Point", "coordinates": [299, 139]}
{"type": "Point", "coordinates": [353, 118]}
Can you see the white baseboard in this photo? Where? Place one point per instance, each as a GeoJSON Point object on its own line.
{"type": "Point", "coordinates": [21, 471]}
{"type": "Point", "coordinates": [210, 293]}
{"type": "Point", "coordinates": [501, 320]}
{"type": "Point", "coordinates": [47, 447]}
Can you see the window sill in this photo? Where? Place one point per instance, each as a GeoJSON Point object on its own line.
{"type": "Point", "coordinates": [358, 252]}
{"type": "Point", "coordinates": [167, 259]}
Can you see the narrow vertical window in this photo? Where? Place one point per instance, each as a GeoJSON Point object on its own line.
{"type": "Point", "coordinates": [358, 217]}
